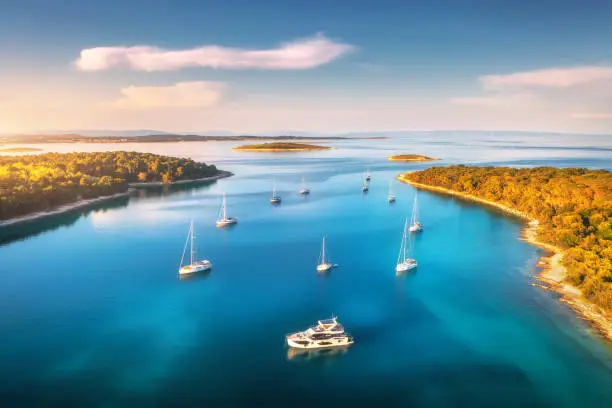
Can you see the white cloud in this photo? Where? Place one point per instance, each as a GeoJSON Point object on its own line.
{"type": "Point", "coordinates": [591, 115]}
{"type": "Point", "coordinates": [197, 94]}
{"type": "Point", "coordinates": [550, 78]}
{"type": "Point", "coordinates": [299, 54]}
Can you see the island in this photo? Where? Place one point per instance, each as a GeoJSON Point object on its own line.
{"type": "Point", "coordinates": [158, 138]}
{"type": "Point", "coordinates": [33, 186]}
{"type": "Point", "coordinates": [20, 150]}
{"type": "Point", "coordinates": [569, 213]}
{"type": "Point", "coordinates": [410, 158]}
{"type": "Point", "coordinates": [280, 147]}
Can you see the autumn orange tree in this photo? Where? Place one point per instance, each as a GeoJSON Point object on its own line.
{"type": "Point", "coordinates": [39, 182]}
{"type": "Point", "coordinates": [573, 206]}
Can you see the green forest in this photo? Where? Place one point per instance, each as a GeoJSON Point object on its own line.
{"type": "Point", "coordinates": [573, 206]}
{"type": "Point", "coordinates": [41, 182]}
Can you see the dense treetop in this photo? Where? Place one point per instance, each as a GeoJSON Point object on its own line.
{"type": "Point", "coordinates": [573, 206]}
{"type": "Point", "coordinates": [40, 182]}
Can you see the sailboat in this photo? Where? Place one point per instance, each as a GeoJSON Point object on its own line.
{"type": "Point", "coordinates": [224, 220]}
{"type": "Point", "coordinates": [415, 225]}
{"type": "Point", "coordinates": [368, 177]}
{"type": "Point", "coordinates": [366, 184]}
{"type": "Point", "coordinates": [303, 189]}
{"type": "Point", "coordinates": [403, 262]}
{"type": "Point", "coordinates": [324, 263]}
{"type": "Point", "coordinates": [391, 197]}
{"type": "Point", "coordinates": [276, 199]}
{"type": "Point", "coordinates": [195, 265]}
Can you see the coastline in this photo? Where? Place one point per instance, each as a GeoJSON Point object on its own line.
{"type": "Point", "coordinates": [417, 160]}
{"type": "Point", "coordinates": [281, 150]}
{"type": "Point", "coordinates": [77, 205]}
{"type": "Point", "coordinates": [222, 174]}
{"type": "Point", "coordinates": [553, 273]}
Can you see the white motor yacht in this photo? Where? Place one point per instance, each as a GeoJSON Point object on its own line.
{"type": "Point", "coordinates": [327, 333]}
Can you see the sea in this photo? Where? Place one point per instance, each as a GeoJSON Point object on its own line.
{"type": "Point", "coordinates": [93, 313]}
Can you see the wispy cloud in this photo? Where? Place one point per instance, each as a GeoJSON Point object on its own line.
{"type": "Point", "coordinates": [592, 115]}
{"type": "Point", "coordinates": [299, 54]}
{"type": "Point", "coordinates": [197, 94]}
{"type": "Point", "coordinates": [550, 78]}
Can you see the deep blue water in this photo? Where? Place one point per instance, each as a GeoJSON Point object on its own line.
{"type": "Point", "coordinates": [92, 312]}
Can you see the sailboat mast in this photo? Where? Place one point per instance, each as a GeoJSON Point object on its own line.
{"type": "Point", "coordinates": [192, 238]}
{"type": "Point", "coordinates": [274, 187]}
{"type": "Point", "coordinates": [404, 239]}
{"type": "Point", "coordinates": [224, 211]}
{"type": "Point", "coordinates": [323, 251]}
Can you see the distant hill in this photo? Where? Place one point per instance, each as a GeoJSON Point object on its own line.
{"type": "Point", "coordinates": [150, 138]}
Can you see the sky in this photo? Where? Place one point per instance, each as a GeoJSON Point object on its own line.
{"type": "Point", "coordinates": [329, 66]}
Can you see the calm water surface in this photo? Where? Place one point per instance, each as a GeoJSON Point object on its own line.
{"type": "Point", "coordinates": [93, 314]}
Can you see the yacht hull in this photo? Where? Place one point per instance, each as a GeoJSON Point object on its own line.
{"type": "Point", "coordinates": [195, 268]}
{"type": "Point", "coordinates": [324, 267]}
{"type": "Point", "coordinates": [226, 222]}
{"type": "Point", "coordinates": [403, 267]}
{"type": "Point", "coordinates": [331, 343]}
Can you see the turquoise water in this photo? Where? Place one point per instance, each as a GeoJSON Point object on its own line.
{"type": "Point", "coordinates": [93, 314]}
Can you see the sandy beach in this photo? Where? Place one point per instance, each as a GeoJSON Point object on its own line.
{"type": "Point", "coordinates": [85, 203]}
{"type": "Point", "coordinates": [553, 273]}
{"type": "Point", "coordinates": [61, 209]}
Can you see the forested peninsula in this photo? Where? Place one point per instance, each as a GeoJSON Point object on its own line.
{"type": "Point", "coordinates": [573, 208]}
{"type": "Point", "coordinates": [35, 183]}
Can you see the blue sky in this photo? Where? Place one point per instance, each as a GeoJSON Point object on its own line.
{"type": "Point", "coordinates": [370, 65]}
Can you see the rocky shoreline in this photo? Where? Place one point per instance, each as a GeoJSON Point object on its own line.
{"type": "Point", "coordinates": [553, 273]}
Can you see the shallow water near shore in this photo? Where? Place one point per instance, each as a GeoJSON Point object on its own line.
{"type": "Point", "coordinates": [92, 312]}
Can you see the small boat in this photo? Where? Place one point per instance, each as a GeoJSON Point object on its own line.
{"type": "Point", "coordinates": [224, 220]}
{"type": "Point", "coordinates": [195, 265]}
{"type": "Point", "coordinates": [403, 262]}
{"type": "Point", "coordinates": [415, 225]}
{"type": "Point", "coordinates": [327, 333]}
{"type": "Point", "coordinates": [391, 197]}
{"type": "Point", "coordinates": [303, 189]}
{"type": "Point", "coordinates": [276, 199]}
{"type": "Point", "coordinates": [324, 264]}
{"type": "Point", "coordinates": [365, 186]}
{"type": "Point", "coordinates": [368, 177]}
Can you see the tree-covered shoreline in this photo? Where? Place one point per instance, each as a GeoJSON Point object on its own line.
{"type": "Point", "coordinates": [573, 207]}
{"type": "Point", "coordinates": [42, 182]}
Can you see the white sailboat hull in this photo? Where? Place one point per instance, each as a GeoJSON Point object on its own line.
{"type": "Point", "coordinates": [416, 227]}
{"type": "Point", "coordinates": [275, 200]}
{"type": "Point", "coordinates": [324, 267]}
{"type": "Point", "coordinates": [304, 191]}
{"type": "Point", "coordinates": [407, 265]}
{"type": "Point", "coordinates": [226, 221]}
{"type": "Point", "coordinates": [199, 266]}
{"type": "Point", "coordinates": [391, 198]}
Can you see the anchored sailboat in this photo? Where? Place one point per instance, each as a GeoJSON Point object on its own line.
{"type": "Point", "coordinates": [368, 177]}
{"type": "Point", "coordinates": [195, 265]}
{"type": "Point", "coordinates": [324, 262]}
{"type": "Point", "coordinates": [415, 225]}
{"type": "Point", "coordinates": [303, 189]}
{"type": "Point", "coordinates": [276, 199]}
{"type": "Point", "coordinates": [391, 197]}
{"type": "Point", "coordinates": [403, 262]}
{"type": "Point", "coordinates": [365, 186]}
{"type": "Point", "coordinates": [224, 220]}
